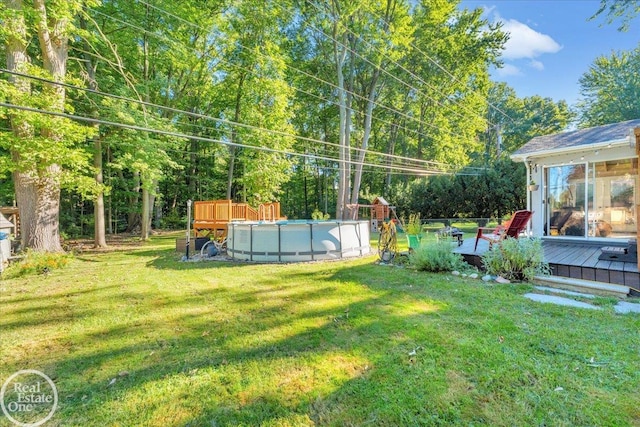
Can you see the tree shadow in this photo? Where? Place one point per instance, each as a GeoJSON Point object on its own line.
{"type": "Point", "coordinates": [200, 353]}
{"type": "Point", "coordinates": [204, 338]}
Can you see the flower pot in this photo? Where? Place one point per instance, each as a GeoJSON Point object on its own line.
{"type": "Point", "coordinates": [534, 187]}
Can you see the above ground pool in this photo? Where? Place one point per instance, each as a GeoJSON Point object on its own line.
{"type": "Point", "coordinates": [295, 241]}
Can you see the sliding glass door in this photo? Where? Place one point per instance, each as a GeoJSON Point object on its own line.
{"type": "Point", "coordinates": [566, 200]}
{"type": "Point", "coordinates": [615, 199]}
{"type": "Point", "coordinates": [592, 200]}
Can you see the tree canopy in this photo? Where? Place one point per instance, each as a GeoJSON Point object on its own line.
{"type": "Point", "coordinates": [610, 89]}
{"type": "Point", "coordinates": [319, 105]}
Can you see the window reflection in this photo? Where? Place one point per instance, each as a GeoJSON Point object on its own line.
{"type": "Point", "coordinates": [615, 198]}
{"type": "Point", "coordinates": [597, 200]}
{"type": "Point", "coordinates": [566, 200]}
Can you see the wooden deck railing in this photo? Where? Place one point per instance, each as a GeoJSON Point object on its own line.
{"type": "Point", "coordinates": [13, 215]}
{"type": "Point", "coordinates": [214, 215]}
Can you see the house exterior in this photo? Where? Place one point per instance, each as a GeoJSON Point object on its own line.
{"type": "Point", "coordinates": [586, 183]}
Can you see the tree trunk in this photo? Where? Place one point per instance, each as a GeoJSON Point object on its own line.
{"type": "Point", "coordinates": [234, 136]}
{"type": "Point", "coordinates": [99, 238]}
{"type": "Point", "coordinates": [38, 198]}
{"type": "Point", "coordinates": [110, 227]}
{"type": "Point", "coordinates": [350, 89]}
{"type": "Point", "coordinates": [343, 174]}
{"type": "Point", "coordinates": [133, 218]}
{"type": "Point", "coordinates": [423, 112]}
{"type": "Point", "coordinates": [230, 171]}
{"type": "Point", "coordinates": [37, 189]}
{"type": "Point", "coordinates": [146, 210]}
{"type": "Point", "coordinates": [152, 203]}
{"type": "Point", "coordinates": [371, 96]}
{"type": "Point", "coordinates": [393, 137]}
{"type": "Point", "coordinates": [193, 167]}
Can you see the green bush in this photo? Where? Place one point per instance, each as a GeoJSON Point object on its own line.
{"type": "Point", "coordinates": [516, 259]}
{"type": "Point", "coordinates": [38, 263]}
{"type": "Point", "coordinates": [173, 221]}
{"type": "Point", "coordinates": [319, 216]}
{"type": "Point", "coordinates": [436, 257]}
{"type": "Point", "coordinates": [414, 226]}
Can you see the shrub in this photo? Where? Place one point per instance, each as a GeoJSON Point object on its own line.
{"type": "Point", "coordinates": [319, 216]}
{"type": "Point", "coordinates": [516, 259]}
{"type": "Point", "coordinates": [173, 221]}
{"type": "Point", "coordinates": [414, 226]}
{"type": "Point", "coordinates": [436, 257]}
{"type": "Point", "coordinates": [38, 263]}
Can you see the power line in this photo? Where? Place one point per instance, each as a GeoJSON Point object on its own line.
{"type": "Point", "coordinates": [257, 52]}
{"type": "Point", "coordinates": [328, 166]}
{"type": "Point", "coordinates": [403, 68]}
{"type": "Point", "coordinates": [333, 86]}
{"type": "Point", "coordinates": [437, 64]}
{"type": "Point", "coordinates": [391, 157]}
{"type": "Point", "coordinates": [420, 172]}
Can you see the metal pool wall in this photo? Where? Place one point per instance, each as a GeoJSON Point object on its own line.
{"type": "Point", "coordinates": [295, 241]}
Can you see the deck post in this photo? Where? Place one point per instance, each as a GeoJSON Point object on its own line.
{"type": "Point", "coordinates": [188, 227]}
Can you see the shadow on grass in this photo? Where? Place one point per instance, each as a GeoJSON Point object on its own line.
{"type": "Point", "coordinates": [345, 344]}
{"type": "Point", "coordinates": [250, 332]}
{"type": "Point", "coordinates": [168, 259]}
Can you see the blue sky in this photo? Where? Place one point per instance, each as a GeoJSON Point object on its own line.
{"type": "Point", "coordinates": [553, 43]}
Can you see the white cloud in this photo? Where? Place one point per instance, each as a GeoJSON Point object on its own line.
{"type": "Point", "coordinates": [488, 10]}
{"type": "Point", "coordinates": [508, 70]}
{"type": "Point", "coordinates": [525, 42]}
{"type": "Point", "coordinates": [538, 65]}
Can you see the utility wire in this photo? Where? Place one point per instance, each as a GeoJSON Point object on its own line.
{"type": "Point", "coordinates": [332, 85]}
{"type": "Point", "coordinates": [420, 172]}
{"type": "Point", "coordinates": [218, 120]}
{"type": "Point", "coordinates": [328, 166]}
{"type": "Point", "coordinates": [309, 75]}
{"type": "Point", "coordinates": [403, 68]}
{"type": "Point", "coordinates": [437, 64]}
{"type": "Point", "coordinates": [350, 50]}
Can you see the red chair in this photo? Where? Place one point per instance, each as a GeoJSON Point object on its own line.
{"type": "Point", "coordinates": [511, 228]}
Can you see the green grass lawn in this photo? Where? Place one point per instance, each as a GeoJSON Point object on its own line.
{"type": "Point", "coordinates": [136, 338]}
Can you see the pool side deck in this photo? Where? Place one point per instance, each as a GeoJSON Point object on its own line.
{"type": "Point", "coordinates": [573, 259]}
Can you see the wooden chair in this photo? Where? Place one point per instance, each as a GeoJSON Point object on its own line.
{"type": "Point", "coordinates": [511, 228]}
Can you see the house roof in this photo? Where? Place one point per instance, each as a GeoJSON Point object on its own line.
{"type": "Point", "coordinates": [4, 222]}
{"type": "Point", "coordinates": [577, 139]}
{"type": "Point", "coordinates": [380, 201]}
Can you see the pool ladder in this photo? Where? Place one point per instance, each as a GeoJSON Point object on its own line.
{"type": "Point", "coordinates": [264, 210]}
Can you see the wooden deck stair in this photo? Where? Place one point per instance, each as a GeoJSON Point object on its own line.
{"type": "Point", "coordinates": [575, 265]}
{"type": "Point", "coordinates": [585, 286]}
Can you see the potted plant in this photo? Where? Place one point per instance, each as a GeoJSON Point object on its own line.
{"type": "Point", "coordinates": [533, 186]}
{"type": "Point", "coordinates": [414, 231]}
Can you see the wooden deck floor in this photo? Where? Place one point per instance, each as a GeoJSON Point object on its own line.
{"type": "Point", "coordinates": [574, 259]}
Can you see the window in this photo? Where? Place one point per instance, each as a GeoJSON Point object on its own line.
{"type": "Point", "coordinates": [592, 200]}
{"type": "Point", "coordinates": [566, 200]}
{"type": "Point", "coordinates": [614, 201]}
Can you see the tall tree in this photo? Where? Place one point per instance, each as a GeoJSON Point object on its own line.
{"type": "Point", "coordinates": [452, 54]}
{"type": "Point", "coordinates": [610, 89]}
{"type": "Point", "coordinates": [614, 10]}
{"type": "Point", "coordinates": [520, 119]}
{"type": "Point", "coordinates": [256, 98]}
{"type": "Point", "coordinates": [392, 35]}
{"type": "Point", "coordinates": [44, 149]}
{"type": "Point", "coordinates": [99, 226]}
